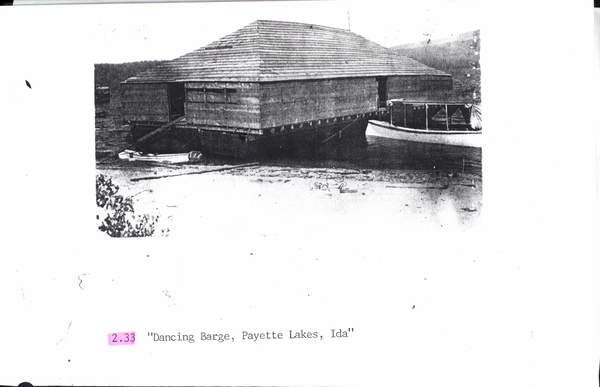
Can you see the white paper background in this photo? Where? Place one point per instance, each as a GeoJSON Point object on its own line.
{"type": "Point", "coordinates": [513, 301]}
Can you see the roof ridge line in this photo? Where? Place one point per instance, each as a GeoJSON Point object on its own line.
{"type": "Point", "coordinates": [258, 21]}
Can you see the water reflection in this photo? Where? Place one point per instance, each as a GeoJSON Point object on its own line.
{"type": "Point", "coordinates": [379, 153]}
{"type": "Point", "coordinates": [385, 153]}
{"type": "Point", "coordinates": [367, 152]}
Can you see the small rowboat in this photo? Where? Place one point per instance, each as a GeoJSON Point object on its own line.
{"type": "Point", "coordinates": [170, 158]}
{"type": "Point", "coordinates": [434, 123]}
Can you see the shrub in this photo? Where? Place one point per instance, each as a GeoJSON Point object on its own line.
{"type": "Point", "coordinates": [116, 213]}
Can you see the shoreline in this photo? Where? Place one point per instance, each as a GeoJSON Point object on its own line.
{"type": "Point", "coordinates": [261, 196]}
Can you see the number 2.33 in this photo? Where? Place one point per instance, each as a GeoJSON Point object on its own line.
{"type": "Point", "coordinates": [121, 338]}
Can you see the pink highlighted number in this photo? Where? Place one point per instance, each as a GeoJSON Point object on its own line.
{"type": "Point", "coordinates": [121, 338]}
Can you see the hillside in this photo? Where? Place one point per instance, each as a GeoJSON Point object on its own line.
{"type": "Point", "coordinates": [110, 134]}
{"type": "Point", "coordinates": [108, 74]}
{"type": "Point", "coordinates": [458, 56]}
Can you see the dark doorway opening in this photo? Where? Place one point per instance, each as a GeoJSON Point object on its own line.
{"type": "Point", "coordinates": [176, 92]}
{"type": "Point", "coordinates": [382, 90]}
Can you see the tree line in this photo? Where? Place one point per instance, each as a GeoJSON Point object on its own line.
{"type": "Point", "coordinates": [110, 74]}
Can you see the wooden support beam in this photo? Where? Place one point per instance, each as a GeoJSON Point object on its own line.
{"type": "Point", "coordinates": [158, 131]}
{"type": "Point", "coordinates": [152, 177]}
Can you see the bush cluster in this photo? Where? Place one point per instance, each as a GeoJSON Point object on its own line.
{"type": "Point", "coordinates": [117, 216]}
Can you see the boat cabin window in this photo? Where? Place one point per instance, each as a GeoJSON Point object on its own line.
{"type": "Point", "coordinates": [436, 117]}
{"type": "Point", "coordinates": [415, 116]}
{"type": "Point", "coordinates": [432, 116]}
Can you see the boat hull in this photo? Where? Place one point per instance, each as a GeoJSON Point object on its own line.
{"type": "Point", "coordinates": [465, 138]}
{"type": "Point", "coordinates": [174, 158]}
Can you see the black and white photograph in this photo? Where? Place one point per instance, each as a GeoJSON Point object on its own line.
{"type": "Point", "coordinates": [299, 193]}
{"type": "Point", "coordinates": [293, 108]}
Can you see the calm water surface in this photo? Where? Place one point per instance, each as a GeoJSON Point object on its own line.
{"type": "Point", "coordinates": [374, 153]}
{"type": "Point", "coordinates": [379, 153]}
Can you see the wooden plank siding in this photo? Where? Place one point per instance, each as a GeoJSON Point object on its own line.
{"type": "Point", "coordinates": [241, 109]}
{"type": "Point", "coordinates": [397, 86]}
{"type": "Point", "coordinates": [252, 105]}
{"type": "Point", "coordinates": [420, 88]}
{"type": "Point", "coordinates": [292, 102]}
{"type": "Point", "coordinates": [272, 104]}
{"type": "Point", "coordinates": [145, 102]}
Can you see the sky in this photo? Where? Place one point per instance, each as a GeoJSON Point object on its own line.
{"type": "Point", "coordinates": [132, 32]}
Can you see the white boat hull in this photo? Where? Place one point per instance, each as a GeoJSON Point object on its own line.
{"type": "Point", "coordinates": [456, 138]}
{"type": "Point", "coordinates": [173, 158]}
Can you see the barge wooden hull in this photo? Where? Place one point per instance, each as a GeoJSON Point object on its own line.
{"type": "Point", "coordinates": [306, 141]}
{"type": "Point", "coordinates": [309, 139]}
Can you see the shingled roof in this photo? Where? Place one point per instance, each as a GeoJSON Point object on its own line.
{"type": "Point", "coordinates": [266, 51]}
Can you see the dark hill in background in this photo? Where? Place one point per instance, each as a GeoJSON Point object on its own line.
{"type": "Point", "coordinates": [108, 74]}
{"type": "Point", "coordinates": [458, 56]}
{"type": "Point", "coordinates": [111, 135]}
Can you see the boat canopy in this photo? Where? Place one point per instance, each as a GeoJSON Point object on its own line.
{"type": "Point", "coordinates": [434, 115]}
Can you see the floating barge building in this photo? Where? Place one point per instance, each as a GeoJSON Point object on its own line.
{"type": "Point", "coordinates": [270, 87]}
